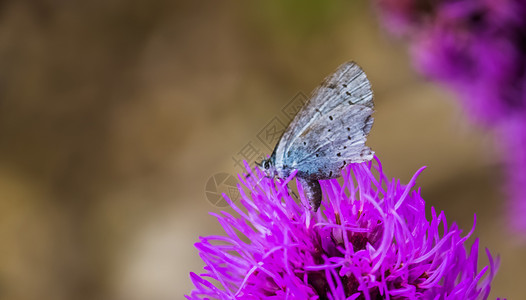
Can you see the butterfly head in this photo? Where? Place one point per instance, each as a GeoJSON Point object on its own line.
{"type": "Point", "coordinates": [267, 166]}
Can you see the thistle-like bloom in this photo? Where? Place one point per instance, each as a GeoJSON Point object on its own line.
{"type": "Point", "coordinates": [370, 240]}
{"type": "Point", "coordinates": [477, 48]}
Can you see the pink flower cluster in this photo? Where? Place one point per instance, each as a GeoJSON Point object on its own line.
{"type": "Point", "coordinates": [370, 240]}
{"type": "Point", "coordinates": [478, 49]}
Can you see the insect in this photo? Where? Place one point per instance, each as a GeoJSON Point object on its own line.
{"type": "Point", "coordinates": [327, 133]}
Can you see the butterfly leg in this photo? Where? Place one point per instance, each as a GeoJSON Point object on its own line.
{"type": "Point", "coordinates": [312, 190]}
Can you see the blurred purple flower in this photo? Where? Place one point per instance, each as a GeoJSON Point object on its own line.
{"type": "Point", "coordinates": [478, 49]}
{"type": "Point", "coordinates": [371, 240]}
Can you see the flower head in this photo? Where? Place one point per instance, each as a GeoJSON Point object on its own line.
{"type": "Point", "coordinates": [476, 48]}
{"type": "Point", "coordinates": [370, 240]}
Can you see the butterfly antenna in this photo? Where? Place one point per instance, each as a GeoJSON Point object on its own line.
{"type": "Point", "coordinates": [250, 174]}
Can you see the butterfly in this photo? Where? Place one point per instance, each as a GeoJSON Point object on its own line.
{"type": "Point", "coordinates": [328, 132]}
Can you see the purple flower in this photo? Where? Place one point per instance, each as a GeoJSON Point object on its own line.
{"type": "Point", "coordinates": [478, 49]}
{"type": "Point", "coordinates": [474, 46]}
{"type": "Point", "coordinates": [370, 240]}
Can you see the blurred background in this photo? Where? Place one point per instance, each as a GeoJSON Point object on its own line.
{"type": "Point", "coordinates": [114, 116]}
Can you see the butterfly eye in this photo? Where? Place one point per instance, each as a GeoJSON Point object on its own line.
{"type": "Point", "coordinates": [266, 164]}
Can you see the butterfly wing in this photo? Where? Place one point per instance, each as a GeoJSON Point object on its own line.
{"type": "Point", "coordinates": [346, 91]}
{"type": "Point", "coordinates": [332, 142]}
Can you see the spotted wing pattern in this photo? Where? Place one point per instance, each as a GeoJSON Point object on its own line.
{"type": "Point", "coordinates": [331, 128]}
{"type": "Point", "coordinates": [329, 145]}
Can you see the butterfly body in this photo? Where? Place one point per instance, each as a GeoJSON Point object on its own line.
{"type": "Point", "coordinates": [328, 132]}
